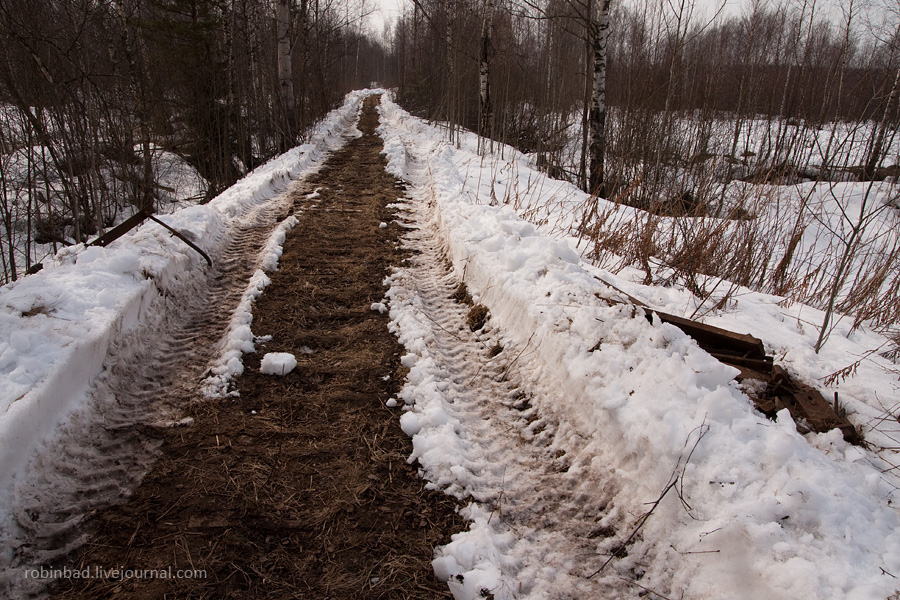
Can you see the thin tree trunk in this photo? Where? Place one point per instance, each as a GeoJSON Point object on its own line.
{"type": "Point", "coordinates": [748, 49]}
{"type": "Point", "coordinates": [302, 33]}
{"type": "Point", "coordinates": [138, 81]}
{"type": "Point", "coordinates": [583, 180]}
{"type": "Point", "coordinates": [6, 206]}
{"type": "Point", "coordinates": [840, 277]}
{"type": "Point", "coordinates": [600, 38]}
{"type": "Point", "coordinates": [877, 147]}
{"type": "Point", "coordinates": [842, 65]}
{"type": "Point", "coordinates": [487, 114]}
{"type": "Point", "coordinates": [285, 71]}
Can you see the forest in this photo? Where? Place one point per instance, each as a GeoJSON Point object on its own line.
{"type": "Point", "coordinates": [509, 299]}
{"type": "Point", "coordinates": [94, 92]}
{"type": "Point", "coordinates": [687, 110]}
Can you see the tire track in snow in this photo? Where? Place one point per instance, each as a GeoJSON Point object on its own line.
{"type": "Point", "coordinates": [152, 375]}
{"type": "Point", "coordinates": [547, 516]}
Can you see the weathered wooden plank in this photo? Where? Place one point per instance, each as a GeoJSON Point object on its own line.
{"type": "Point", "coordinates": [135, 220]}
{"type": "Point", "coordinates": [709, 336]}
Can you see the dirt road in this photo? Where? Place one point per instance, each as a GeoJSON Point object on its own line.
{"type": "Point", "coordinates": [298, 488]}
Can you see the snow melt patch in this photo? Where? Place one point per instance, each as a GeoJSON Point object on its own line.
{"type": "Point", "coordinates": [764, 512]}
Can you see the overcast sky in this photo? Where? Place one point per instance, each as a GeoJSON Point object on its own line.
{"type": "Point", "coordinates": [388, 10]}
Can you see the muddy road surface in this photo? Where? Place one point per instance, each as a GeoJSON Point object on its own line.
{"type": "Point", "coordinates": [299, 487]}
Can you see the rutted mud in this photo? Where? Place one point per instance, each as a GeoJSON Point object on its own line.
{"type": "Point", "coordinates": [299, 488]}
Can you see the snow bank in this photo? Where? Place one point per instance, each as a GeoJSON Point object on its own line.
{"type": "Point", "coordinates": [765, 513]}
{"type": "Point", "coordinates": [788, 328]}
{"type": "Point", "coordinates": [56, 326]}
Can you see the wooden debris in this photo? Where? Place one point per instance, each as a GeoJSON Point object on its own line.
{"type": "Point", "coordinates": [807, 406]}
{"type": "Point", "coordinates": [121, 229]}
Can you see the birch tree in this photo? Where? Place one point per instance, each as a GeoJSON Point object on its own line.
{"type": "Point", "coordinates": [285, 71]}
{"type": "Point", "coordinates": [484, 72]}
{"type": "Point", "coordinates": [600, 38]}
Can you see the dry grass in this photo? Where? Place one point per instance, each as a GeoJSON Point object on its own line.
{"type": "Point", "coordinates": [477, 317]}
{"type": "Point", "coordinates": [713, 256]}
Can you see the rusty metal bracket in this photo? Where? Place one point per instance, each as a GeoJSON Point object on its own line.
{"type": "Point", "coordinates": [183, 239]}
{"type": "Point", "coordinates": [121, 229]}
{"type": "Point", "coordinates": [135, 220]}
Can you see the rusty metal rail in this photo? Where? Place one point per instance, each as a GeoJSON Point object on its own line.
{"type": "Point", "coordinates": [806, 404]}
{"type": "Point", "coordinates": [121, 229]}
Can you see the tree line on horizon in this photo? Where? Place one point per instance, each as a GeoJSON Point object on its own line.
{"type": "Point", "coordinates": [680, 109]}
{"type": "Point", "coordinates": [783, 61]}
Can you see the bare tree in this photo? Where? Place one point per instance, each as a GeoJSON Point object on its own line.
{"type": "Point", "coordinates": [484, 73]}
{"type": "Point", "coordinates": [877, 146]}
{"type": "Point", "coordinates": [285, 71]}
{"type": "Point", "coordinates": [138, 78]}
{"type": "Point", "coordinates": [600, 40]}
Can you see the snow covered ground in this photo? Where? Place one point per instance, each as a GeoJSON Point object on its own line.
{"type": "Point", "coordinates": [837, 145]}
{"type": "Point", "coordinates": [782, 238]}
{"type": "Point", "coordinates": [757, 510]}
{"type": "Point", "coordinates": [586, 418]}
